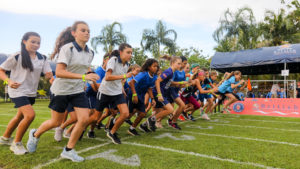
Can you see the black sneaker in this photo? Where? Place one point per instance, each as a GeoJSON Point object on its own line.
{"type": "Point", "coordinates": [114, 138]}
{"type": "Point", "coordinates": [111, 124]}
{"type": "Point", "coordinates": [191, 117]}
{"type": "Point", "coordinates": [169, 122]}
{"type": "Point", "coordinates": [81, 135]}
{"type": "Point", "coordinates": [91, 134]}
{"type": "Point", "coordinates": [151, 124]}
{"type": "Point", "coordinates": [99, 126]}
{"type": "Point", "coordinates": [133, 132]}
{"type": "Point", "coordinates": [185, 115]}
{"type": "Point", "coordinates": [175, 126]}
{"type": "Point", "coordinates": [128, 121]}
{"type": "Point", "coordinates": [144, 128]}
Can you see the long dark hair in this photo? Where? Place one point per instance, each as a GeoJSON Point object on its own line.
{"type": "Point", "coordinates": [26, 60]}
{"type": "Point", "coordinates": [147, 64]}
{"type": "Point", "coordinates": [121, 48]}
{"type": "Point", "coordinates": [64, 37]}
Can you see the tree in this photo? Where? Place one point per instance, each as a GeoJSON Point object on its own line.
{"type": "Point", "coordinates": [152, 40]}
{"type": "Point", "coordinates": [194, 56]}
{"type": "Point", "coordinates": [276, 27]}
{"type": "Point", "coordinates": [111, 35]}
{"type": "Point", "coordinates": [237, 31]}
{"type": "Point", "coordinates": [138, 57]}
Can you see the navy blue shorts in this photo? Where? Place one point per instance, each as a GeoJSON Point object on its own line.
{"type": "Point", "coordinates": [161, 104]}
{"type": "Point", "coordinates": [201, 97]}
{"type": "Point", "coordinates": [140, 106]}
{"type": "Point", "coordinates": [70, 108]}
{"type": "Point", "coordinates": [60, 103]}
{"type": "Point", "coordinates": [171, 94]}
{"type": "Point", "coordinates": [92, 100]}
{"type": "Point", "coordinates": [22, 101]}
{"type": "Point", "coordinates": [111, 102]}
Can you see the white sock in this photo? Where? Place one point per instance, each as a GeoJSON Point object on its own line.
{"type": "Point", "coordinates": [131, 128]}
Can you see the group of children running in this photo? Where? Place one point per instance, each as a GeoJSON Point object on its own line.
{"type": "Point", "coordinates": [115, 90]}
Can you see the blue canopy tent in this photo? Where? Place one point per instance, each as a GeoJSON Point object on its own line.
{"type": "Point", "coordinates": [266, 60]}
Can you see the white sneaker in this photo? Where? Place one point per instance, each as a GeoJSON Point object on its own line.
{"type": "Point", "coordinates": [66, 135]}
{"type": "Point", "coordinates": [18, 148]}
{"type": "Point", "coordinates": [6, 141]}
{"type": "Point", "coordinates": [205, 116]}
{"type": "Point", "coordinates": [58, 134]}
{"type": "Point", "coordinates": [32, 141]}
{"type": "Point", "coordinates": [71, 155]}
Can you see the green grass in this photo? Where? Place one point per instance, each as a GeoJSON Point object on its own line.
{"type": "Point", "coordinates": [235, 141]}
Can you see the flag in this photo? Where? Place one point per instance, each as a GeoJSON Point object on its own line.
{"type": "Point", "coordinates": [249, 85]}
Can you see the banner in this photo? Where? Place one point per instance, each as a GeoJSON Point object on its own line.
{"type": "Point", "coordinates": [284, 107]}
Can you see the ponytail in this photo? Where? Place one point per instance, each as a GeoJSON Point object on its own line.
{"type": "Point", "coordinates": [64, 37]}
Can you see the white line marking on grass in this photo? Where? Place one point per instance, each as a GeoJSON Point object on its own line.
{"type": "Point", "coordinates": [243, 138]}
{"type": "Point", "coordinates": [198, 155]}
{"type": "Point", "coordinates": [108, 155]}
{"type": "Point", "coordinates": [169, 135]}
{"type": "Point", "coordinates": [219, 121]}
{"type": "Point", "coordinates": [269, 128]}
{"type": "Point", "coordinates": [80, 151]}
{"type": "Point", "coordinates": [200, 127]}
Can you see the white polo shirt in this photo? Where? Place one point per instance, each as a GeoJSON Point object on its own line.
{"type": "Point", "coordinates": [114, 87]}
{"type": "Point", "coordinates": [29, 80]}
{"type": "Point", "coordinates": [77, 61]}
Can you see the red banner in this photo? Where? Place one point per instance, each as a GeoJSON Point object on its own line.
{"type": "Point", "coordinates": [267, 107]}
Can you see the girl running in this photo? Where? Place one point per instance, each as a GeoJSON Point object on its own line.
{"type": "Point", "coordinates": [74, 60]}
{"type": "Point", "coordinates": [139, 86]}
{"type": "Point", "coordinates": [110, 90]}
{"type": "Point", "coordinates": [162, 84]}
{"type": "Point", "coordinates": [26, 67]}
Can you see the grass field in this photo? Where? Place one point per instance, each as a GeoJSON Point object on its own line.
{"type": "Point", "coordinates": [227, 141]}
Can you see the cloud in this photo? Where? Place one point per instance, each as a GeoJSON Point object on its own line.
{"type": "Point", "coordinates": [179, 12]}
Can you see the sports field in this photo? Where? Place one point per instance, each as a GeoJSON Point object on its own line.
{"type": "Point", "coordinates": [227, 141]}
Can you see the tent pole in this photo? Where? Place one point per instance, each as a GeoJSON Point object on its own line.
{"type": "Point", "coordinates": [285, 91]}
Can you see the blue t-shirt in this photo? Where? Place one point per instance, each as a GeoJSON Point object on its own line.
{"type": "Point", "coordinates": [143, 81]}
{"type": "Point", "coordinates": [126, 85]}
{"type": "Point", "coordinates": [167, 77]}
{"type": "Point", "coordinates": [226, 85]}
{"type": "Point", "coordinates": [101, 73]}
{"type": "Point", "coordinates": [178, 77]}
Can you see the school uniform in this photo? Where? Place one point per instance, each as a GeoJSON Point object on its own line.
{"type": "Point", "coordinates": [90, 93]}
{"type": "Point", "coordinates": [64, 90]}
{"type": "Point", "coordinates": [110, 92]}
{"type": "Point", "coordinates": [143, 81]}
{"type": "Point", "coordinates": [167, 77]}
{"type": "Point", "coordinates": [172, 92]}
{"type": "Point", "coordinates": [205, 86]}
{"type": "Point", "coordinates": [225, 88]}
{"type": "Point", "coordinates": [26, 93]}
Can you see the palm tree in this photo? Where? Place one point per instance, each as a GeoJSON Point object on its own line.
{"type": "Point", "coordinates": [278, 28]}
{"type": "Point", "coordinates": [152, 40]}
{"type": "Point", "coordinates": [110, 36]}
{"type": "Point", "coordinates": [240, 27]}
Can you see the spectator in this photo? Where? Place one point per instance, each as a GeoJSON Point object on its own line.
{"type": "Point", "coordinates": [275, 88]}
{"type": "Point", "coordinates": [298, 90]}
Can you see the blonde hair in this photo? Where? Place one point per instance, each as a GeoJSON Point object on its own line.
{"type": "Point", "coordinates": [133, 67]}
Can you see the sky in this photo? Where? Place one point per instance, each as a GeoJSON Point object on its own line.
{"type": "Point", "coordinates": [193, 20]}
